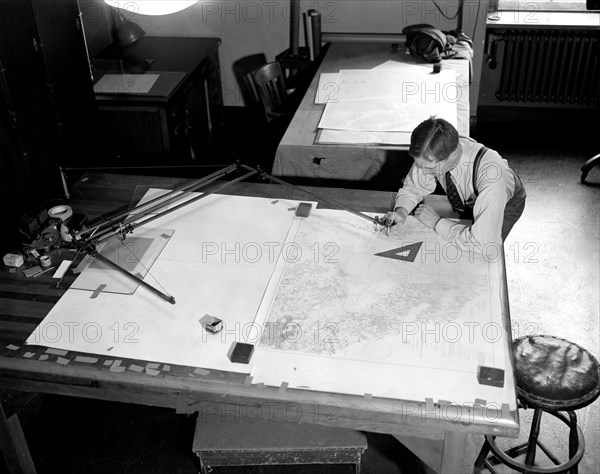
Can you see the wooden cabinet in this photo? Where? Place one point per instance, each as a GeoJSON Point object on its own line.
{"type": "Point", "coordinates": [159, 100]}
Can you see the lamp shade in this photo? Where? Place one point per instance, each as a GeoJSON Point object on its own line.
{"type": "Point", "coordinates": [152, 7]}
{"type": "Point", "coordinates": [128, 32]}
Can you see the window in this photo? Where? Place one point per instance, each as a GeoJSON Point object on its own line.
{"type": "Point", "coordinates": [539, 5]}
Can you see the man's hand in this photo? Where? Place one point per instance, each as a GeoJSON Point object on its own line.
{"type": "Point", "coordinates": [398, 216]}
{"type": "Point", "coordinates": [427, 216]}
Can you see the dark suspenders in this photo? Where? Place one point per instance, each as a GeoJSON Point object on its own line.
{"type": "Point", "coordinates": [480, 153]}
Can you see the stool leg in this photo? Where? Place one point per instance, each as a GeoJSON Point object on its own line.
{"type": "Point", "coordinates": [533, 436]}
{"type": "Point", "coordinates": [485, 449]}
{"type": "Point", "coordinates": [573, 438]}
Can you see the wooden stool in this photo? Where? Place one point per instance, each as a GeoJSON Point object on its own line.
{"type": "Point", "coordinates": [244, 443]}
{"type": "Point", "coordinates": [553, 375]}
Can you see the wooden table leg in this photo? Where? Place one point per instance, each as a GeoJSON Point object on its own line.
{"type": "Point", "coordinates": [453, 452]}
{"type": "Point", "coordinates": [13, 444]}
{"type": "Point", "coordinates": [443, 456]}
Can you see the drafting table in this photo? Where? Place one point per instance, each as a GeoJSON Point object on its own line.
{"type": "Point", "coordinates": [437, 440]}
{"type": "Point", "coordinates": [298, 156]}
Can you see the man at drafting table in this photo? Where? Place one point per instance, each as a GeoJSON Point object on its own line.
{"type": "Point", "coordinates": [478, 182]}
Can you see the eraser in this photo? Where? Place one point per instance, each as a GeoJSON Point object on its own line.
{"type": "Point", "coordinates": [13, 260]}
{"type": "Point", "coordinates": [490, 376]}
{"type": "Point", "coordinates": [211, 324]}
{"type": "Point", "coordinates": [214, 327]}
{"type": "Point", "coordinates": [303, 209]}
{"type": "Point", "coordinates": [241, 352]}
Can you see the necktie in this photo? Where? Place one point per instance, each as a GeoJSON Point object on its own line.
{"type": "Point", "coordinates": [453, 195]}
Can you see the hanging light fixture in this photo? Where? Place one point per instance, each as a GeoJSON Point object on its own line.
{"type": "Point", "coordinates": [152, 7]}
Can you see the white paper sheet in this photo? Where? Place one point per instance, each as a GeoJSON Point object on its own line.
{"type": "Point", "coordinates": [352, 137]}
{"type": "Point", "coordinates": [394, 101]}
{"type": "Point", "coordinates": [327, 87]}
{"type": "Point", "coordinates": [125, 83]}
{"type": "Point", "coordinates": [219, 262]}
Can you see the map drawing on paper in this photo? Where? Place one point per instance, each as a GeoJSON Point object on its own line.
{"type": "Point", "coordinates": [342, 307]}
{"type": "Point", "coordinates": [396, 101]}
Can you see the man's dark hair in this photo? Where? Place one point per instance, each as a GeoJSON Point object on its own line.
{"type": "Point", "coordinates": [435, 138]}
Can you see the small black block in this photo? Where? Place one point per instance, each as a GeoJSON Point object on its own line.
{"type": "Point", "coordinates": [241, 352]}
{"type": "Point", "coordinates": [490, 376]}
{"type": "Point", "coordinates": [303, 209]}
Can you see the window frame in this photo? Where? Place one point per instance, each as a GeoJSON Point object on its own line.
{"type": "Point", "coordinates": [538, 5]}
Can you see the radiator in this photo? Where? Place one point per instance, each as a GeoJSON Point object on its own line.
{"type": "Point", "coordinates": [546, 66]}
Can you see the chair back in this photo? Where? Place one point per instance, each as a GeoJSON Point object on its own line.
{"type": "Point", "coordinates": [270, 81]}
{"type": "Point", "coordinates": [242, 69]}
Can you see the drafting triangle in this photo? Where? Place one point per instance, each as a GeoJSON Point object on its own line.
{"type": "Point", "coordinates": [401, 252]}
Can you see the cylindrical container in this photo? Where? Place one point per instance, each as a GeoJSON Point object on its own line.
{"type": "Point", "coordinates": [294, 26]}
{"type": "Point", "coordinates": [315, 20]}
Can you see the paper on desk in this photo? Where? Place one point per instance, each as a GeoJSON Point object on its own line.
{"type": "Point", "coordinates": [125, 83]}
{"type": "Point", "coordinates": [219, 261]}
{"type": "Point", "coordinates": [396, 101]}
{"type": "Point", "coordinates": [327, 87]}
{"type": "Point", "coordinates": [389, 64]}
{"type": "Point", "coordinates": [383, 314]}
{"type": "Point", "coordinates": [353, 137]}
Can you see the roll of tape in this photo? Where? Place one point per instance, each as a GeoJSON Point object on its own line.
{"type": "Point", "coordinates": [45, 261]}
{"type": "Point", "coordinates": [60, 212]}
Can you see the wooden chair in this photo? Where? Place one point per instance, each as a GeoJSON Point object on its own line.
{"type": "Point", "coordinates": [242, 69]}
{"type": "Point", "coordinates": [278, 102]}
{"type": "Point", "coordinates": [587, 166]}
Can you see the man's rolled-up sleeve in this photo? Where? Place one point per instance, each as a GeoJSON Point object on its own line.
{"type": "Point", "coordinates": [484, 236]}
{"type": "Point", "coordinates": [417, 185]}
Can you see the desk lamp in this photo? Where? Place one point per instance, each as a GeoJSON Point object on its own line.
{"type": "Point", "coordinates": [125, 32]}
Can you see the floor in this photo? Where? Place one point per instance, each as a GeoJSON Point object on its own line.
{"type": "Point", "coordinates": [552, 258]}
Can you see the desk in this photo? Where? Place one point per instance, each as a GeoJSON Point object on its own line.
{"type": "Point", "coordinates": [299, 157]}
{"type": "Point", "coordinates": [180, 113]}
{"type": "Point", "coordinates": [437, 439]}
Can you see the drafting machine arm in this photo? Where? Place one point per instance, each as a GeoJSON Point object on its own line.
{"type": "Point", "coordinates": [125, 222]}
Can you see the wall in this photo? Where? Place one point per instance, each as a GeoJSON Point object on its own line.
{"type": "Point", "coordinates": [248, 27]}
{"type": "Point", "coordinates": [97, 24]}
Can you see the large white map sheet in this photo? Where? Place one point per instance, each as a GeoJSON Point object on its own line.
{"type": "Point", "coordinates": [394, 100]}
{"type": "Point", "coordinates": [218, 261]}
{"type": "Point", "coordinates": [413, 323]}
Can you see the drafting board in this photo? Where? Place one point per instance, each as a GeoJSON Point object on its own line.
{"type": "Point", "coordinates": [414, 326]}
{"type": "Point", "coordinates": [218, 261]}
{"type": "Point", "coordinates": [325, 311]}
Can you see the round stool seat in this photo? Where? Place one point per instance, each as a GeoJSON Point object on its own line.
{"type": "Point", "coordinates": [555, 374]}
